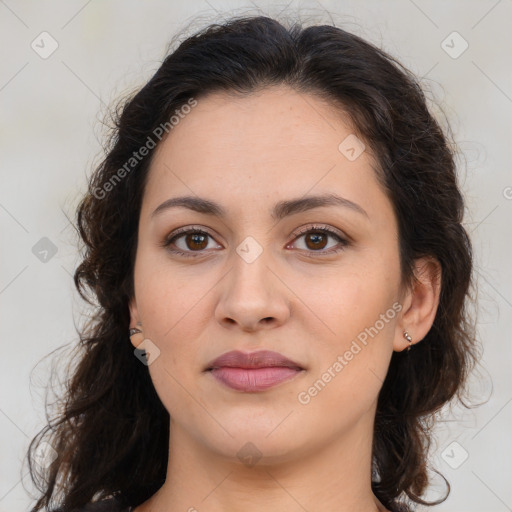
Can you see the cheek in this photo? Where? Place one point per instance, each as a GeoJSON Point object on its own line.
{"type": "Point", "coordinates": [171, 298]}
{"type": "Point", "coordinates": [358, 308]}
{"type": "Point", "coordinates": [175, 312]}
{"type": "Point", "coordinates": [353, 299]}
{"type": "Point", "coordinates": [351, 360]}
{"type": "Point", "coordinates": [172, 307]}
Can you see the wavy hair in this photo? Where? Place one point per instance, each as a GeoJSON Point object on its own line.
{"type": "Point", "coordinates": [111, 431]}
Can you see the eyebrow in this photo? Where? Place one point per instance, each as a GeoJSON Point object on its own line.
{"type": "Point", "coordinates": [280, 210]}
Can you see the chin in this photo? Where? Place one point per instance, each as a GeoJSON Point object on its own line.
{"type": "Point", "coordinates": [260, 440]}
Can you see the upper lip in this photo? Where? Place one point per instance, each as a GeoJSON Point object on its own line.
{"type": "Point", "coordinates": [260, 359]}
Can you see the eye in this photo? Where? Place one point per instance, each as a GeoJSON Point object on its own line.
{"type": "Point", "coordinates": [316, 240]}
{"type": "Point", "coordinates": [195, 240]}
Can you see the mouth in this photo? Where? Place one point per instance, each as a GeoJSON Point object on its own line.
{"type": "Point", "coordinates": [256, 371]}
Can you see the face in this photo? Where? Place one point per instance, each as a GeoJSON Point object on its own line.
{"type": "Point", "coordinates": [320, 286]}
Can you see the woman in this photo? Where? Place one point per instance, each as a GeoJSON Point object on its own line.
{"type": "Point", "coordinates": [276, 229]}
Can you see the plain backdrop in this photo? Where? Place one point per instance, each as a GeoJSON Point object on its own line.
{"type": "Point", "coordinates": [64, 62]}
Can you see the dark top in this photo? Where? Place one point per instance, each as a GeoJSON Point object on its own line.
{"type": "Point", "coordinates": [106, 505]}
{"type": "Point", "coordinates": [114, 505]}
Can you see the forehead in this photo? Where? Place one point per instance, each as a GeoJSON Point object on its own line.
{"type": "Point", "coordinates": [279, 118]}
{"type": "Point", "coordinates": [274, 143]}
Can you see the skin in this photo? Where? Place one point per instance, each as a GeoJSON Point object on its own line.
{"type": "Point", "coordinates": [247, 154]}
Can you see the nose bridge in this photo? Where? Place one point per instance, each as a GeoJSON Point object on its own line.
{"type": "Point", "coordinates": [251, 261]}
{"type": "Point", "coordinates": [251, 292]}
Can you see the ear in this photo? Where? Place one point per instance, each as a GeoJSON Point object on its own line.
{"type": "Point", "coordinates": [420, 303]}
{"type": "Point", "coordinates": [135, 321]}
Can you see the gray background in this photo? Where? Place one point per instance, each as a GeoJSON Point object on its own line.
{"type": "Point", "coordinates": [50, 138]}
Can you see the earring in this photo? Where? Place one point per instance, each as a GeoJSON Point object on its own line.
{"type": "Point", "coordinates": [409, 339]}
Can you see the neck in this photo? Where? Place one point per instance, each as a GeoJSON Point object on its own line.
{"type": "Point", "coordinates": [334, 477]}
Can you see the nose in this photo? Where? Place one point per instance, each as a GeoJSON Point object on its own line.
{"type": "Point", "coordinates": [253, 296]}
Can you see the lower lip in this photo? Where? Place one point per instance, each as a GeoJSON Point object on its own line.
{"type": "Point", "coordinates": [253, 379]}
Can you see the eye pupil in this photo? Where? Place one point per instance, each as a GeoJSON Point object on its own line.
{"type": "Point", "coordinates": [197, 238]}
{"type": "Point", "coordinates": [315, 237]}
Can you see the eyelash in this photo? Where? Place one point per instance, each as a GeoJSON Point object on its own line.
{"type": "Point", "coordinates": [314, 228]}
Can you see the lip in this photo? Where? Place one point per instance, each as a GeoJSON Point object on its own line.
{"type": "Point", "coordinates": [255, 371]}
{"type": "Point", "coordinates": [259, 359]}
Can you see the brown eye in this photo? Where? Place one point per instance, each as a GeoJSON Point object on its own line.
{"type": "Point", "coordinates": [316, 240]}
{"type": "Point", "coordinates": [188, 242]}
{"type": "Point", "coordinates": [193, 242]}
{"type": "Point", "coordinates": [196, 241]}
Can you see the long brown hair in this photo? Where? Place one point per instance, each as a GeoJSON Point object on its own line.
{"type": "Point", "coordinates": [111, 432]}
